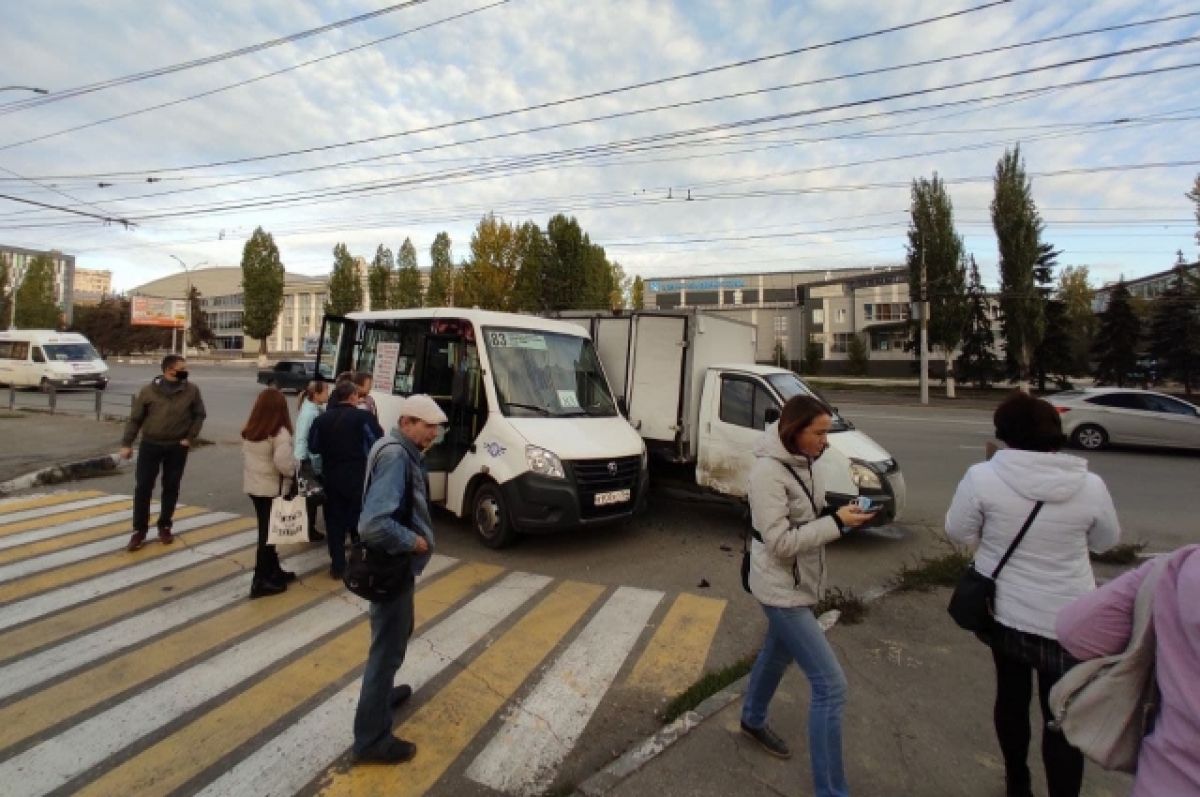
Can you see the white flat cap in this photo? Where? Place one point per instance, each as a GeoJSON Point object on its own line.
{"type": "Point", "coordinates": [423, 408]}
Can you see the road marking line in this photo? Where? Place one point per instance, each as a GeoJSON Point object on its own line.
{"type": "Point", "coordinates": [39, 518]}
{"type": "Point", "coordinates": [75, 654]}
{"type": "Point", "coordinates": [191, 519]}
{"type": "Point", "coordinates": [170, 763]}
{"type": "Point", "coordinates": [66, 532]}
{"type": "Point", "coordinates": [443, 727]}
{"type": "Point", "coordinates": [524, 756]}
{"type": "Point", "coordinates": [12, 506]}
{"type": "Point", "coordinates": [291, 760]}
{"type": "Point", "coordinates": [84, 581]}
{"type": "Point", "coordinates": [53, 553]}
{"type": "Point", "coordinates": [57, 761]}
{"type": "Point", "coordinates": [675, 657]}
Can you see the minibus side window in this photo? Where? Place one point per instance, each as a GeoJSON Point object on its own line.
{"type": "Point", "coordinates": [38, 357]}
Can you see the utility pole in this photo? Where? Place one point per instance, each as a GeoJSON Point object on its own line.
{"type": "Point", "coordinates": [923, 307]}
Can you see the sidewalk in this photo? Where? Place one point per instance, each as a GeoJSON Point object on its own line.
{"type": "Point", "coordinates": [36, 440]}
{"type": "Point", "coordinates": [918, 721]}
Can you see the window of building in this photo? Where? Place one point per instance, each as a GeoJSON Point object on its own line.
{"type": "Point", "coordinates": [841, 342]}
{"type": "Point", "coordinates": [818, 316]}
{"type": "Point", "coordinates": [841, 314]}
{"type": "Point", "coordinates": [868, 312]}
{"type": "Point", "coordinates": [888, 340]}
{"type": "Point", "coordinates": [886, 311]}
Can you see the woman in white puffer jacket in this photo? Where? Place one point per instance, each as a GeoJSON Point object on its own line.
{"type": "Point", "coordinates": [1048, 569]}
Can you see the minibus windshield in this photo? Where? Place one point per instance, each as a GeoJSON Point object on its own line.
{"type": "Point", "coordinates": [547, 374]}
{"type": "Point", "coordinates": [70, 352]}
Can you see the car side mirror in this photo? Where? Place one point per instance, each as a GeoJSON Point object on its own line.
{"type": "Point", "coordinates": [771, 415]}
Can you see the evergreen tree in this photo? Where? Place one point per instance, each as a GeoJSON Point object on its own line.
{"type": "Point", "coordinates": [638, 294]}
{"type": "Point", "coordinates": [406, 289]}
{"type": "Point", "coordinates": [36, 308]}
{"type": "Point", "coordinates": [441, 273]}
{"type": "Point", "coordinates": [1075, 292]}
{"type": "Point", "coordinates": [200, 331]}
{"type": "Point", "coordinates": [935, 245]}
{"type": "Point", "coordinates": [262, 288]}
{"type": "Point", "coordinates": [345, 289]}
{"type": "Point", "coordinates": [857, 355]}
{"type": "Point", "coordinates": [977, 363]}
{"type": "Point", "coordinates": [1053, 354]}
{"type": "Point", "coordinates": [1116, 346]}
{"type": "Point", "coordinates": [814, 352]}
{"type": "Point", "coordinates": [1175, 330]}
{"type": "Point", "coordinates": [528, 294]}
{"type": "Point", "coordinates": [380, 277]}
{"type": "Point", "coordinates": [565, 280]}
{"type": "Point", "coordinates": [1018, 229]}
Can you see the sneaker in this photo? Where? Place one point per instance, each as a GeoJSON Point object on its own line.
{"type": "Point", "coordinates": [768, 739]}
{"type": "Point", "coordinates": [261, 588]}
{"type": "Point", "coordinates": [165, 536]}
{"type": "Point", "coordinates": [136, 541]}
{"type": "Point", "coordinates": [390, 751]}
{"type": "Point", "coordinates": [399, 695]}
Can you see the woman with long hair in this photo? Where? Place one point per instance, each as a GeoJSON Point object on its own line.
{"type": "Point", "coordinates": [792, 526]}
{"type": "Point", "coordinates": [1066, 511]}
{"type": "Point", "coordinates": [267, 468]}
{"type": "Point", "coordinates": [312, 401]}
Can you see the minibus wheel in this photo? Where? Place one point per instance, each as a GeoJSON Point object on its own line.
{"type": "Point", "coordinates": [489, 516]}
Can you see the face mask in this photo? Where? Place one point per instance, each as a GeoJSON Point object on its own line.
{"type": "Point", "coordinates": [181, 376]}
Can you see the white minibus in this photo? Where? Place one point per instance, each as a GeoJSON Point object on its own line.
{"type": "Point", "coordinates": [46, 359]}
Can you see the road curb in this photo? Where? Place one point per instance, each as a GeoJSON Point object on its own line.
{"type": "Point", "coordinates": [64, 472]}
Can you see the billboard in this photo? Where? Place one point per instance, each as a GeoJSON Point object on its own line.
{"type": "Point", "coordinates": [148, 311]}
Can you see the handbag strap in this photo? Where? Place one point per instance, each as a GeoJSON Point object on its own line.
{"type": "Point", "coordinates": [804, 487]}
{"type": "Point", "coordinates": [1020, 535]}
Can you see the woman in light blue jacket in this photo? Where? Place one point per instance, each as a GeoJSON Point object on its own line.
{"type": "Point", "coordinates": [312, 402]}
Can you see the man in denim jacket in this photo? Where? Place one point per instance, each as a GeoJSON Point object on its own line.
{"type": "Point", "coordinates": [393, 525]}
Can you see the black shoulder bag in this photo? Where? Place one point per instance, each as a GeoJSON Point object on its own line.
{"type": "Point", "coordinates": [973, 598]}
{"type": "Point", "coordinates": [756, 535]}
{"type": "Point", "coordinates": [375, 575]}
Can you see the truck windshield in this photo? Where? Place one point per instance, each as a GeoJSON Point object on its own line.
{"type": "Point", "coordinates": [547, 374]}
{"type": "Point", "coordinates": [70, 352]}
{"type": "Point", "coordinates": [790, 385]}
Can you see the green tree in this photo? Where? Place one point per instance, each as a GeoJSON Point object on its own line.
{"type": "Point", "coordinates": [620, 287]}
{"type": "Point", "coordinates": [380, 277]}
{"type": "Point", "coordinates": [814, 352]}
{"type": "Point", "coordinates": [406, 289]}
{"type": "Point", "coordinates": [36, 308]}
{"type": "Point", "coordinates": [977, 363]}
{"type": "Point", "coordinates": [488, 277]}
{"type": "Point", "coordinates": [565, 281]}
{"type": "Point", "coordinates": [1116, 346]}
{"type": "Point", "coordinates": [1053, 354]}
{"type": "Point", "coordinates": [105, 324]}
{"type": "Point", "coordinates": [857, 355]}
{"type": "Point", "coordinates": [441, 273]}
{"type": "Point", "coordinates": [1194, 195]}
{"type": "Point", "coordinates": [528, 294]}
{"type": "Point", "coordinates": [637, 294]}
{"type": "Point", "coordinates": [1075, 292]}
{"type": "Point", "coordinates": [200, 332]}
{"type": "Point", "coordinates": [262, 287]}
{"type": "Point", "coordinates": [1018, 229]}
{"type": "Point", "coordinates": [1175, 330]}
{"type": "Point", "coordinates": [6, 277]}
{"type": "Point", "coordinates": [935, 245]}
{"type": "Point", "coordinates": [345, 289]}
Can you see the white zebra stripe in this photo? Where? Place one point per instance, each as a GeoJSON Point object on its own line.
{"type": "Point", "coordinates": [83, 591]}
{"type": "Point", "coordinates": [524, 756]}
{"type": "Point", "coordinates": [27, 567]}
{"type": "Point", "coordinates": [288, 762]}
{"type": "Point", "coordinates": [72, 655]}
{"type": "Point", "coordinates": [58, 760]}
{"type": "Point", "coordinates": [37, 535]}
{"type": "Point", "coordinates": [83, 503]}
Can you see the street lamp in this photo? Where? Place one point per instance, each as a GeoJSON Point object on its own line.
{"type": "Point", "coordinates": [24, 88]}
{"type": "Point", "coordinates": [187, 324]}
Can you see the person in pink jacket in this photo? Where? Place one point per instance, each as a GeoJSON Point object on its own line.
{"type": "Point", "coordinates": [1099, 624]}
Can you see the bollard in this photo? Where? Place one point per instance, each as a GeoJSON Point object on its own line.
{"type": "Point", "coordinates": [99, 402]}
{"type": "Point", "coordinates": [12, 398]}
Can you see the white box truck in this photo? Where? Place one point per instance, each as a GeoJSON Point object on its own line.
{"type": "Point", "coordinates": [688, 382]}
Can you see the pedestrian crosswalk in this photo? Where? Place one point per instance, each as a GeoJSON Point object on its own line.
{"type": "Point", "coordinates": [152, 672]}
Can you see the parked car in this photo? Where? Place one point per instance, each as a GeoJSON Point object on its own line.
{"type": "Point", "coordinates": [289, 375]}
{"type": "Point", "coordinates": [1095, 417]}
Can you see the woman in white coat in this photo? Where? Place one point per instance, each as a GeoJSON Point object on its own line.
{"type": "Point", "coordinates": [1048, 569]}
{"type": "Point", "coordinates": [267, 469]}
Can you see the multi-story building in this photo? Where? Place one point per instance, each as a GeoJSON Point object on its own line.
{"type": "Point", "coordinates": [19, 258]}
{"type": "Point", "coordinates": [1149, 287]}
{"type": "Point", "coordinates": [92, 285]}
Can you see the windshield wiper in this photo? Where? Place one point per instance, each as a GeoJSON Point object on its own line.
{"type": "Point", "coordinates": [533, 407]}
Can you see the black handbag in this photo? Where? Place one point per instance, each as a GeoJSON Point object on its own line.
{"type": "Point", "coordinates": [308, 484]}
{"type": "Point", "coordinates": [971, 603]}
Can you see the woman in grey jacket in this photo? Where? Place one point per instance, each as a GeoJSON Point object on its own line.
{"type": "Point", "coordinates": [267, 468]}
{"type": "Point", "coordinates": [787, 570]}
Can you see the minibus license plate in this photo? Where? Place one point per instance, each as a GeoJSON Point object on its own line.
{"type": "Point", "coordinates": [614, 497]}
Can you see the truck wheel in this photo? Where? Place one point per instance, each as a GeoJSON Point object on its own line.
{"type": "Point", "coordinates": [489, 516]}
{"type": "Point", "coordinates": [1089, 437]}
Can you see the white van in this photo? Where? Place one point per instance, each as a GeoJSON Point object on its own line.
{"type": "Point", "coordinates": [45, 359]}
{"type": "Point", "coordinates": [535, 442]}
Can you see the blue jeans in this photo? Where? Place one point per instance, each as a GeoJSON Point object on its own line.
{"type": "Point", "coordinates": [793, 634]}
{"type": "Point", "coordinates": [391, 625]}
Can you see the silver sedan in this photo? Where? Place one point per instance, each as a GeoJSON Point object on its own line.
{"type": "Point", "coordinates": [1095, 417]}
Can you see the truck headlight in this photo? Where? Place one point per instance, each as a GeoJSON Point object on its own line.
{"type": "Point", "coordinates": [544, 463]}
{"type": "Point", "coordinates": [864, 476]}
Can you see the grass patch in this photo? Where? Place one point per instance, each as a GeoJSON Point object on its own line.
{"type": "Point", "coordinates": [851, 607]}
{"type": "Point", "coordinates": [708, 685]}
{"type": "Point", "coordinates": [6, 415]}
{"type": "Point", "coordinates": [1124, 554]}
{"type": "Point", "coordinates": [933, 571]}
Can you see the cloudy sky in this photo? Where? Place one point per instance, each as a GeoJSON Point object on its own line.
{"type": "Point", "coordinates": [795, 128]}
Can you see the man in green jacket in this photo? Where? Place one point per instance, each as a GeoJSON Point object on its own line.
{"type": "Point", "coordinates": [169, 413]}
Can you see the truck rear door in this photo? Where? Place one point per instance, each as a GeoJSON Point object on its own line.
{"type": "Point", "coordinates": [655, 388]}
